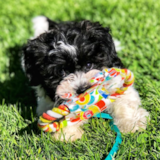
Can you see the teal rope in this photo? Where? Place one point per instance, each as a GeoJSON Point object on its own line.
{"type": "Point", "coordinates": [118, 140]}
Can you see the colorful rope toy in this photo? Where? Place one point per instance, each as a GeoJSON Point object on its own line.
{"type": "Point", "coordinates": [89, 104]}
{"type": "Point", "coordinates": [93, 101]}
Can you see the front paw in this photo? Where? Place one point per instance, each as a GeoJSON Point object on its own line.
{"type": "Point", "coordinates": [140, 120]}
{"type": "Point", "coordinates": [132, 121]}
{"type": "Point", "coordinates": [69, 133]}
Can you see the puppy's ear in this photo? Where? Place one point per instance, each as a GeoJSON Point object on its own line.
{"type": "Point", "coordinates": [29, 65]}
{"type": "Point", "coordinates": [102, 42]}
{"type": "Point", "coordinates": [110, 50]}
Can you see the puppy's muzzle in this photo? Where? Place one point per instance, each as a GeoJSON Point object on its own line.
{"type": "Point", "coordinates": [75, 83]}
{"type": "Point", "coordinates": [83, 88]}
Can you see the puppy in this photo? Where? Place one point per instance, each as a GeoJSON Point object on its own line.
{"type": "Point", "coordinates": [63, 57]}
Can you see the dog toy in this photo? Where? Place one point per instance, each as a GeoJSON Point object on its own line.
{"type": "Point", "coordinates": [94, 100]}
{"type": "Point", "coordinates": [90, 104]}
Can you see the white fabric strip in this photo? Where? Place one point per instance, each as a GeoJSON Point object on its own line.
{"type": "Point", "coordinates": [54, 114]}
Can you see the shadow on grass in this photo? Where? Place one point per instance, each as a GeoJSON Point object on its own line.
{"type": "Point", "coordinates": [16, 89]}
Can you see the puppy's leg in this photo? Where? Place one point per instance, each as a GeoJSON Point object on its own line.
{"type": "Point", "coordinates": [127, 114]}
{"type": "Point", "coordinates": [70, 133]}
{"type": "Point", "coordinates": [44, 103]}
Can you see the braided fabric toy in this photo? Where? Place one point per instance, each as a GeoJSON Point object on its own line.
{"type": "Point", "coordinates": [95, 100]}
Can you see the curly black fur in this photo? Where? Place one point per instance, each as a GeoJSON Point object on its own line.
{"type": "Point", "coordinates": [47, 63]}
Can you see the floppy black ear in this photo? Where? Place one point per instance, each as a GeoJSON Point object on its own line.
{"type": "Point", "coordinates": [102, 43]}
{"type": "Point", "coordinates": [29, 65]}
{"type": "Point", "coordinates": [115, 61]}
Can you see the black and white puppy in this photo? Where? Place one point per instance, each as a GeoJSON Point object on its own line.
{"type": "Point", "coordinates": [60, 59]}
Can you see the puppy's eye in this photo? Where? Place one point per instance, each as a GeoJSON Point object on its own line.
{"type": "Point", "coordinates": [89, 65]}
{"type": "Point", "coordinates": [61, 72]}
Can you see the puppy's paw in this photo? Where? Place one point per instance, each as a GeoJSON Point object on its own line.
{"type": "Point", "coordinates": [69, 133]}
{"type": "Point", "coordinates": [141, 118]}
{"type": "Point", "coordinates": [136, 121]}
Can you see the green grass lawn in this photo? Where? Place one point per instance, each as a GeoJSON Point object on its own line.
{"type": "Point", "coordinates": [136, 24]}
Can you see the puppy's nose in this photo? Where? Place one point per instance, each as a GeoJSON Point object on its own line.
{"type": "Point", "coordinates": [83, 88]}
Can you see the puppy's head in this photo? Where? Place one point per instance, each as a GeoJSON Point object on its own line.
{"type": "Point", "coordinates": [65, 56]}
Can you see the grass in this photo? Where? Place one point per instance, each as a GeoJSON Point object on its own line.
{"type": "Point", "coordinates": [136, 24]}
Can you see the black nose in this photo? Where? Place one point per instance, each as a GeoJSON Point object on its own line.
{"type": "Point", "coordinates": [83, 88]}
